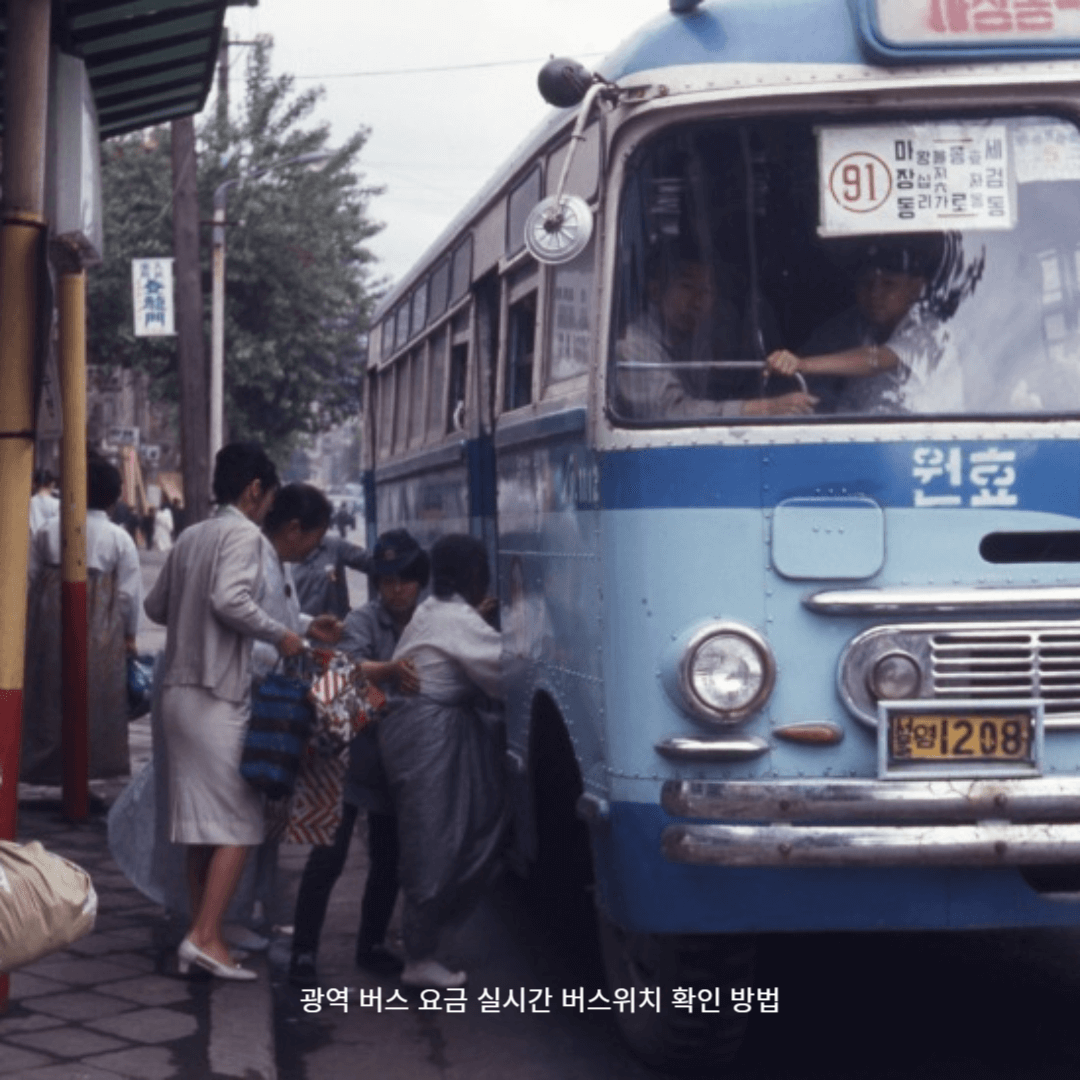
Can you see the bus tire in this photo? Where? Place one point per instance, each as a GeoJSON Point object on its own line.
{"type": "Point", "coordinates": [563, 869]}
{"type": "Point", "coordinates": [677, 1040]}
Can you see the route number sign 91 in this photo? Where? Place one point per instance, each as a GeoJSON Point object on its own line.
{"type": "Point", "coordinates": [860, 182]}
{"type": "Point", "coordinates": [914, 178]}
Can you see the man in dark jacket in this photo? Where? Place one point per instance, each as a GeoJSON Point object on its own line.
{"type": "Point", "coordinates": [321, 586]}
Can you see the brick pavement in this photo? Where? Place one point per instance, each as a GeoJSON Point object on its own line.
{"type": "Point", "coordinates": [112, 1007]}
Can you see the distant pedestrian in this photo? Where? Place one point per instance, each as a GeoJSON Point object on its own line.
{"type": "Point", "coordinates": [127, 519]}
{"type": "Point", "coordinates": [114, 605]}
{"type": "Point", "coordinates": [163, 526]}
{"type": "Point", "coordinates": [43, 503]}
{"type": "Point", "coordinates": [146, 527]}
{"type": "Point", "coordinates": [344, 519]}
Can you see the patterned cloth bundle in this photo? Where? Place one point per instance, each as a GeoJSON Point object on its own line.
{"type": "Point", "coordinates": [344, 704]}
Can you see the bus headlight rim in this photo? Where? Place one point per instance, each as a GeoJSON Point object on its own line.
{"type": "Point", "coordinates": [749, 660]}
{"type": "Point", "coordinates": [894, 676]}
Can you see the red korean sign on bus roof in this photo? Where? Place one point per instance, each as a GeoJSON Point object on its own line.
{"type": "Point", "coordinates": [973, 28]}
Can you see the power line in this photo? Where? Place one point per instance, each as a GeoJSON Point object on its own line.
{"type": "Point", "coordinates": [431, 70]}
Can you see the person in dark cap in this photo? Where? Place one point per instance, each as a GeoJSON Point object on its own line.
{"type": "Point", "coordinates": [398, 569]}
{"type": "Point", "coordinates": [876, 340]}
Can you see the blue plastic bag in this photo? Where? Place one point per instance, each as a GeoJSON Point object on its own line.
{"type": "Point", "coordinates": [140, 677]}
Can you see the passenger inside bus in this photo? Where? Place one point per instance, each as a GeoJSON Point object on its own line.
{"type": "Point", "coordinates": [857, 361]}
{"type": "Point", "coordinates": [669, 358]}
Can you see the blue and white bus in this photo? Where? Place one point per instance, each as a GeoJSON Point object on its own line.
{"type": "Point", "coordinates": [758, 370]}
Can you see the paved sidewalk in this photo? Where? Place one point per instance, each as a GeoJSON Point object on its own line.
{"type": "Point", "coordinates": [112, 1007]}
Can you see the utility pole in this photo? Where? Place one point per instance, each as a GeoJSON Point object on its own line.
{"type": "Point", "coordinates": [217, 256]}
{"type": "Point", "coordinates": [194, 442]}
{"type": "Point", "coordinates": [223, 83]}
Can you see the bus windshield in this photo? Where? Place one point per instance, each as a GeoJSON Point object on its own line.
{"type": "Point", "coordinates": [791, 269]}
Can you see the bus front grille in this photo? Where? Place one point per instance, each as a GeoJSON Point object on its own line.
{"type": "Point", "coordinates": [1041, 662]}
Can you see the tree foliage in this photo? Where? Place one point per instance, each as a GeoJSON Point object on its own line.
{"type": "Point", "coordinates": [299, 276]}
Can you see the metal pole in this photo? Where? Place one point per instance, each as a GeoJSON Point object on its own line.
{"type": "Point", "coordinates": [74, 637]}
{"type": "Point", "coordinates": [217, 327]}
{"type": "Point", "coordinates": [21, 237]}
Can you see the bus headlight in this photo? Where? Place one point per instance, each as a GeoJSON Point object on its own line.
{"type": "Point", "coordinates": [727, 672]}
{"type": "Point", "coordinates": [895, 676]}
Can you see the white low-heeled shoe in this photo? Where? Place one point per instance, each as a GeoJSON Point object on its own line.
{"type": "Point", "coordinates": [189, 953]}
{"type": "Point", "coordinates": [433, 974]}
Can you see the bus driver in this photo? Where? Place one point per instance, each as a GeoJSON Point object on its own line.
{"type": "Point", "coordinates": [683, 321]}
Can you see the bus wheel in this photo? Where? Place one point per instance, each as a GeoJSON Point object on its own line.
{"type": "Point", "coordinates": [563, 870]}
{"type": "Point", "coordinates": [678, 1040]}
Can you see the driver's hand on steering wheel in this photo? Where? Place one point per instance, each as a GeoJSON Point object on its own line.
{"type": "Point", "coordinates": [796, 403]}
{"type": "Point", "coordinates": [782, 362]}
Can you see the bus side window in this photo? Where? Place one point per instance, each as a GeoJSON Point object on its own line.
{"type": "Point", "coordinates": [386, 412]}
{"type": "Point", "coordinates": [455, 403]}
{"type": "Point", "coordinates": [401, 401]}
{"type": "Point", "coordinates": [416, 400]}
{"type": "Point", "coordinates": [457, 391]}
{"type": "Point", "coordinates": [520, 352]}
{"type": "Point", "coordinates": [436, 412]}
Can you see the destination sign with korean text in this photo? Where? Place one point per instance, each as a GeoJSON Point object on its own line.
{"type": "Point", "coordinates": [914, 178]}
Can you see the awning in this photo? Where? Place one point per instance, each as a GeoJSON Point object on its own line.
{"type": "Point", "coordinates": [149, 61]}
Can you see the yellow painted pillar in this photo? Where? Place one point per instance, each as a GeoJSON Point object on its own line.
{"type": "Point", "coordinates": [74, 636]}
{"type": "Point", "coordinates": [22, 234]}
{"type": "Point", "coordinates": [20, 240]}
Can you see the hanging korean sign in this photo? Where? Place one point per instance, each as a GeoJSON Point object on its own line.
{"type": "Point", "coordinates": [914, 178]}
{"type": "Point", "coordinates": [152, 294]}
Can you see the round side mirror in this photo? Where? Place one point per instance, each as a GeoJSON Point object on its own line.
{"type": "Point", "coordinates": [557, 231]}
{"type": "Point", "coordinates": [564, 83]}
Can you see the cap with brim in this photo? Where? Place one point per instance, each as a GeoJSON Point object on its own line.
{"type": "Point", "coordinates": [395, 553]}
{"type": "Point", "coordinates": [916, 254]}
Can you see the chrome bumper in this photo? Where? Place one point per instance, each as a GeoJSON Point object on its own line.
{"type": "Point", "coordinates": [843, 823]}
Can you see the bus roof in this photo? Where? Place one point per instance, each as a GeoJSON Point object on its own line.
{"type": "Point", "coordinates": [742, 31]}
{"type": "Point", "coordinates": [852, 32]}
{"type": "Point", "coordinates": [832, 32]}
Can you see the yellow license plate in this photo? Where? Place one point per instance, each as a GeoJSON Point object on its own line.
{"type": "Point", "coordinates": [961, 737]}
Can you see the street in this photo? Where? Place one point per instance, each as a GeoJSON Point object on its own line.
{"type": "Point", "coordinates": [994, 1005]}
{"type": "Point", "coordinates": [997, 1005]}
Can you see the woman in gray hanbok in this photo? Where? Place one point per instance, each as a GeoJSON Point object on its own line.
{"type": "Point", "coordinates": [442, 751]}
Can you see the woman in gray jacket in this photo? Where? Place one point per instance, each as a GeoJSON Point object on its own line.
{"type": "Point", "coordinates": [205, 596]}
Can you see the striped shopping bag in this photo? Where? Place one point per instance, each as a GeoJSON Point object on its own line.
{"type": "Point", "coordinates": [280, 724]}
